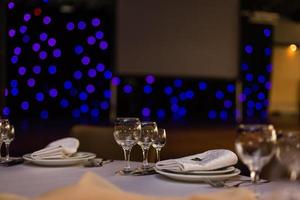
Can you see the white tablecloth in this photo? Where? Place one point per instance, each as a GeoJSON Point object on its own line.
{"type": "Point", "coordinates": [30, 180]}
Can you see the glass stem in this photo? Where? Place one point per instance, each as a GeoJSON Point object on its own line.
{"type": "Point", "coordinates": [254, 176]}
{"type": "Point", "coordinates": [127, 158]}
{"type": "Point", "coordinates": [145, 157]}
{"type": "Point", "coordinates": [157, 155]}
{"type": "Point", "coordinates": [293, 175]}
{"type": "Point", "coordinates": [7, 151]}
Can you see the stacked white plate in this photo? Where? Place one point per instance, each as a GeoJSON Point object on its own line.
{"type": "Point", "coordinates": [201, 176]}
{"type": "Point", "coordinates": [77, 158]}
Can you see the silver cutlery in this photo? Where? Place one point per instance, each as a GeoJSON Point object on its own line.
{"type": "Point", "coordinates": [97, 162]}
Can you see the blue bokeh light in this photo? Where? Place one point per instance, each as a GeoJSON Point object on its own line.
{"type": "Point", "coordinates": [249, 49]}
{"type": "Point", "coordinates": [68, 85]}
{"type": "Point", "coordinates": [146, 112]}
{"type": "Point", "coordinates": [127, 89]}
{"type": "Point", "coordinates": [202, 86]}
{"type": "Point", "coordinates": [147, 89]}
{"type": "Point", "coordinates": [168, 90]}
{"type": "Point", "coordinates": [52, 69]}
{"type": "Point", "coordinates": [40, 96]}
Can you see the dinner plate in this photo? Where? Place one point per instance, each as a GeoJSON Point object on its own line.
{"type": "Point", "coordinates": [198, 177]}
{"type": "Point", "coordinates": [203, 172]}
{"type": "Point", "coordinates": [77, 158]}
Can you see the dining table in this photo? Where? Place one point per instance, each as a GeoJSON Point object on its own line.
{"type": "Point", "coordinates": [33, 180]}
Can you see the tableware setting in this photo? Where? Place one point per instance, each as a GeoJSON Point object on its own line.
{"type": "Point", "coordinates": [61, 152]}
{"type": "Point", "coordinates": [214, 165]}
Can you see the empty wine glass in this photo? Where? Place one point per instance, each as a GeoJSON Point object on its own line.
{"type": "Point", "coordinates": [255, 146]}
{"type": "Point", "coordinates": [288, 152]}
{"type": "Point", "coordinates": [126, 134]}
{"type": "Point", "coordinates": [7, 135]}
{"type": "Point", "coordinates": [159, 140]}
{"type": "Point", "coordinates": [149, 129]}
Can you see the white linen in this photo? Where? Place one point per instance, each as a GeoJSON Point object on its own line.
{"type": "Point", "coordinates": [61, 148]}
{"type": "Point", "coordinates": [209, 160]}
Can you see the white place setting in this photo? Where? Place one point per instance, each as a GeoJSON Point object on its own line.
{"type": "Point", "coordinates": [214, 165]}
{"type": "Point", "coordinates": [61, 152]}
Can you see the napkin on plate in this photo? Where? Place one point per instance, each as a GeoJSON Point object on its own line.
{"type": "Point", "coordinates": [209, 160]}
{"type": "Point", "coordinates": [61, 148]}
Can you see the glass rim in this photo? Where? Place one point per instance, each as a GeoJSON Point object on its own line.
{"type": "Point", "coordinates": [127, 118]}
{"type": "Point", "coordinates": [255, 126]}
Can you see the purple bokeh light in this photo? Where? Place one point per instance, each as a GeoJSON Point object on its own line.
{"type": "Point", "coordinates": [53, 92]}
{"type": "Point", "coordinates": [150, 79]}
{"type": "Point", "coordinates": [17, 51]}
{"type": "Point", "coordinates": [96, 22]}
{"type": "Point", "coordinates": [92, 73]}
{"type": "Point", "coordinates": [47, 20]}
{"type": "Point", "coordinates": [27, 17]}
{"type": "Point", "coordinates": [43, 55]}
{"type": "Point", "coordinates": [43, 36]}
{"type": "Point", "coordinates": [11, 5]}
{"type": "Point", "coordinates": [81, 25]}
{"type": "Point", "coordinates": [23, 29]}
{"type": "Point", "coordinates": [11, 32]}
{"type": "Point", "coordinates": [127, 89]}
{"type": "Point", "coordinates": [91, 40]}
{"type": "Point", "coordinates": [146, 112]}
{"type": "Point", "coordinates": [6, 92]}
{"type": "Point", "coordinates": [25, 105]}
{"type": "Point", "coordinates": [90, 88]}
{"type": "Point", "coordinates": [37, 69]}
{"type": "Point", "coordinates": [70, 26]}
{"type": "Point", "coordinates": [99, 35]}
{"type": "Point", "coordinates": [22, 71]}
{"type": "Point", "coordinates": [103, 45]}
{"type": "Point", "coordinates": [36, 47]}
{"type": "Point", "coordinates": [56, 53]}
{"type": "Point", "coordinates": [14, 59]}
{"type": "Point", "coordinates": [52, 42]}
{"type": "Point", "coordinates": [85, 60]}
{"type": "Point", "coordinates": [31, 82]}
{"type": "Point", "coordinates": [100, 67]}
{"type": "Point", "coordinates": [115, 81]}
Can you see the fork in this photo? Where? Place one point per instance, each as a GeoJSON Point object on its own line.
{"type": "Point", "coordinates": [222, 184]}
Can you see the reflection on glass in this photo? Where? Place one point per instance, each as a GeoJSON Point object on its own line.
{"type": "Point", "coordinates": [255, 146]}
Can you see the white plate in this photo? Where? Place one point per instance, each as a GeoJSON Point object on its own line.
{"type": "Point", "coordinates": [77, 158]}
{"type": "Point", "coordinates": [198, 177]}
{"type": "Point", "coordinates": [205, 172]}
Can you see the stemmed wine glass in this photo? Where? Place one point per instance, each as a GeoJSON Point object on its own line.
{"type": "Point", "coordinates": [288, 152]}
{"type": "Point", "coordinates": [149, 129]}
{"type": "Point", "coordinates": [126, 134]}
{"type": "Point", "coordinates": [255, 146]}
{"type": "Point", "coordinates": [159, 140]}
{"type": "Point", "coordinates": [7, 135]}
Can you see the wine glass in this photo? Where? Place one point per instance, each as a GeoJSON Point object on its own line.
{"type": "Point", "coordinates": [288, 152]}
{"type": "Point", "coordinates": [7, 135]}
{"type": "Point", "coordinates": [159, 140]}
{"type": "Point", "coordinates": [126, 134]}
{"type": "Point", "coordinates": [255, 146]}
{"type": "Point", "coordinates": [149, 129]}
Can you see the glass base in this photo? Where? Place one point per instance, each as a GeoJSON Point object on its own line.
{"type": "Point", "coordinates": [124, 172]}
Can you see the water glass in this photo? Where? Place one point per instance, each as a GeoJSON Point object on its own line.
{"type": "Point", "coordinates": [126, 134]}
{"type": "Point", "coordinates": [288, 152]}
{"type": "Point", "coordinates": [7, 135]}
{"type": "Point", "coordinates": [158, 142]}
{"type": "Point", "coordinates": [149, 129]}
{"type": "Point", "coordinates": [255, 146]}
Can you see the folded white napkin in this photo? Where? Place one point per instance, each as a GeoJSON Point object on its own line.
{"type": "Point", "coordinates": [61, 148]}
{"type": "Point", "coordinates": [209, 160]}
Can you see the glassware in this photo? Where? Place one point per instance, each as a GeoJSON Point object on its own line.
{"type": "Point", "coordinates": [255, 146]}
{"type": "Point", "coordinates": [126, 134]}
{"type": "Point", "coordinates": [7, 135]}
{"type": "Point", "coordinates": [159, 140]}
{"type": "Point", "coordinates": [288, 152]}
{"type": "Point", "coordinates": [149, 129]}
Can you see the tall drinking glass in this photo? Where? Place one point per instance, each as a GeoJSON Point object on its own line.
{"type": "Point", "coordinates": [159, 140]}
{"type": "Point", "coordinates": [4, 128]}
{"type": "Point", "coordinates": [288, 152]}
{"type": "Point", "coordinates": [149, 129]}
{"type": "Point", "coordinates": [255, 146]}
{"type": "Point", "coordinates": [126, 134]}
